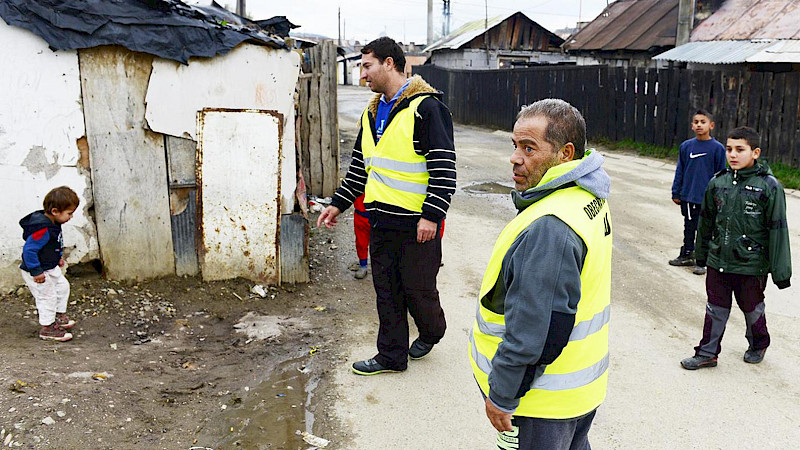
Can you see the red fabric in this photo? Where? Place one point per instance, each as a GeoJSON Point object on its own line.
{"type": "Point", "coordinates": [361, 228]}
{"type": "Point", "coordinates": [359, 204]}
{"type": "Point", "coordinates": [441, 231]}
{"type": "Point", "coordinates": [39, 234]}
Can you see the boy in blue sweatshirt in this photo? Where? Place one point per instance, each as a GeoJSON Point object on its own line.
{"type": "Point", "coordinates": [42, 259]}
{"type": "Point", "coordinates": [699, 159]}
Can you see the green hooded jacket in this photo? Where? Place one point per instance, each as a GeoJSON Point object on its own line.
{"type": "Point", "coordinates": [742, 226]}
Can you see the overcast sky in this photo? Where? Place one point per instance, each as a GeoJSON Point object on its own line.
{"type": "Point", "coordinates": [405, 20]}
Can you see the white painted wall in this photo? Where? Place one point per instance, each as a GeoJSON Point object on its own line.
{"type": "Point", "coordinates": [250, 76]}
{"type": "Point", "coordinates": [40, 121]}
{"type": "Point", "coordinates": [240, 223]}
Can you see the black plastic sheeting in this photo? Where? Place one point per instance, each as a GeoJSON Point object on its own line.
{"type": "Point", "coordinates": [169, 29]}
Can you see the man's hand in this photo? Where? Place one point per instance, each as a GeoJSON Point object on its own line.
{"type": "Point", "coordinates": [677, 201]}
{"type": "Point", "coordinates": [39, 278]}
{"type": "Point", "coordinates": [500, 421]}
{"type": "Point", "coordinates": [61, 262]}
{"type": "Point", "coordinates": [426, 230]}
{"type": "Point", "coordinates": [328, 217]}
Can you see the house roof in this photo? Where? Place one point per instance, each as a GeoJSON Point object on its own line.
{"type": "Point", "coordinates": [471, 30]}
{"type": "Point", "coordinates": [633, 25]}
{"type": "Point", "coordinates": [751, 19]}
{"type": "Point", "coordinates": [169, 29]}
{"type": "Point", "coordinates": [735, 52]}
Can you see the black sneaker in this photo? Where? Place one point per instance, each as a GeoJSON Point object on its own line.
{"type": "Point", "coordinates": [699, 362]}
{"type": "Point", "coordinates": [419, 349]}
{"type": "Point", "coordinates": [754, 356]}
{"type": "Point", "coordinates": [371, 367]}
{"type": "Point", "coordinates": [699, 270]}
{"type": "Point", "coordinates": [684, 260]}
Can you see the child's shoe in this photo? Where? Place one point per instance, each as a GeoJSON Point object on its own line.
{"type": "Point", "coordinates": [360, 273]}
{"type": "Point", "coordinates": [754, 356]}
{"type": "Point", "coordinates": [55, 333]}
{"type": "Point", "coordinates": [699, 270]}
{"type": "Point", "coordinates": [699, 362]}
{"type": "Point", "coordinates": [64, 322]}
{"type": "Point", "coordinates": [684, 259]}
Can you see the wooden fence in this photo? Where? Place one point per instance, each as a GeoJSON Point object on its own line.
{"type": "Point", "coordinates": [646, 105]}
{"type": "Point", "coordinates": [318, 121]}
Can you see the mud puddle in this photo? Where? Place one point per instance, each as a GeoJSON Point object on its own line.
{"type": "Point", "coordinates": [266, 416]}
{"type": "Point", "coordinates": [487, 188]}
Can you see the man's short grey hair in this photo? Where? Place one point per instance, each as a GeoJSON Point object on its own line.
{"type": "Point", "coordinates": [564, 123]}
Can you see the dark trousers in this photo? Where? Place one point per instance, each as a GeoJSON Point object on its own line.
{"type": "Point", "coordinates": [404, 274]}
{"type": "Point", "coordinates": [547, 434]}
{"type": "Point", "coordinates": [749, 293]}
{"type": "Point", "coordinates": [691, 214]}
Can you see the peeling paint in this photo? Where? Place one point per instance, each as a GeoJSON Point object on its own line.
{"type": "Point", "coordinates": [83, 148]}
{"type": "Point", "coordinates": [36, 162]}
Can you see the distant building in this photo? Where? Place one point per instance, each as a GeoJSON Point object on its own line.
{"type": "Point", "coordinates": [628, 33]}
{"type": "Point", "coordinates": [502, 41]}
{"type": "Point", "coordinates": [768, 40]}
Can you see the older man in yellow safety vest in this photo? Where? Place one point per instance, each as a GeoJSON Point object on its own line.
{"type": "Point", "coordinates": [539, 344]}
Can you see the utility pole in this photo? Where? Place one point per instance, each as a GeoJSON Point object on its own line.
{"type": "Point", "coordinates": [241, 8]}
{"type": "Point", "coordinates": [685, 21]}
{"type": "Point", "coordinates": [340, 26]}
{"type": "Point", "coordinates": [486, 29]}
{"type": "Point", "coordinates": [430, 22]}
{"type": "Point", "coordinates": [445, 17]}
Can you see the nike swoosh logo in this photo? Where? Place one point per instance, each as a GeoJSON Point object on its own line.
{"type": "Point", "coordinates": [693, 156]}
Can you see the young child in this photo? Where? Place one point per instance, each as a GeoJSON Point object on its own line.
{"type": "Point", "coordinates": [699, 159]}
{"type": "Point", "coordinates": [361, 229]}
{"type": "Point", "coordinates": [742, 237]}
{"type": "Point", "coordinates": [42, 261]}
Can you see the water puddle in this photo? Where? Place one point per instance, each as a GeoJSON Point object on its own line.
{"type": "Point", "coordinates": [269, 415]}
{"type": "Point", "coordinates": [488, 188]}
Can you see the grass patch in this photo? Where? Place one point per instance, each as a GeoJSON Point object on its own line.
{"type": "Point", "coordinates": [788, 176]}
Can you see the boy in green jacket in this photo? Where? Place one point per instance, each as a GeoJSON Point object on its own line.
{"type": "Point", "coordinates": [742, 236]}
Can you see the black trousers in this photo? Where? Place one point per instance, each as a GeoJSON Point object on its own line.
{"type": "Point", "coordinates": [691, 215]}
{"type": "Point", "coordinates": [530, 433]}
{"type": "Point", "coordinates": [404, 274]}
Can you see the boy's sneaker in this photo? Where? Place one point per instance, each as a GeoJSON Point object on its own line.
{"type": "Point", "coordinates": [371, 367]}
{"type": "Point", "coordinates": [361, 272]}
{"type": "Point", "coordinates": [699, 362]}
{"type": "Point", "coordinates": [699, 270]}
{"type": "Point", "coordinates": [54, 332]}
{"type": "Point", "coordinates": [754, 356]}
{"type": "Point", "coordinates": [64, 322]}
{"type": "Point", "coordinates": [685, 259]}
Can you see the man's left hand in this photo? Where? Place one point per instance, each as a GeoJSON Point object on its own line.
{"type": "Point", "coordinates": [426, 230]}
{"type": "Point", "coordinates": [500, 421]}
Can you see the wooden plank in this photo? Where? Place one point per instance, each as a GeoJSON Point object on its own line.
{"type": "Point", "coordinates": [650, 127]}
{"type": "Point", "coordinates": [754, 99]}
{"type": "Point", "coordinates": [641, 113]}
{"type": "Point", "coordinates": [715, 100]}
{"type": "Point", "coordinates": [683, 129]}
{"type": "Point", "coordinates": [744, 95]}
{"type": "Point", "coordinates": [315, 184]}
{"type": "Point", "coordinates": [766, 104]}
{"type": "Point", "coordinates": [129, 170]}
{"type": "Point", "coordinates": [673, 93]}
{"type": "Point", "coordinates": [181, 155]}
{"type": "Point", "coordinates": [294, 249]}
{"type": "Point", "coordinates": [327, 105]}
{"type": "Point", "coordinates": [183, 204]}
{"type": "Point", "coordinates": [788, 118]}
{"type": "Point", "coordinates": [630, 103]}
{"type": "Point", "coordinates": [662, 93]}
{"type": "Point", "coordinates": [305, 128]}
{"type": "Point", "coordinates": [772, 147]}
{"type": "Point", "coordinates": [604, 99]}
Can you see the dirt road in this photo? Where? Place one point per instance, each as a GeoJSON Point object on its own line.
{"type": "Point", "coordinates": [657, 319]}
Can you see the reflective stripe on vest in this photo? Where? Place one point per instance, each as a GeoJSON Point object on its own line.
{"type": "Point", "coordinates": [575, 383]}
{"type": "Point", "coordinates": [396, 174]}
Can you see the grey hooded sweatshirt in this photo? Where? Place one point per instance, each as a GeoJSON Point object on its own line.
{"type": "Point", "coordinates": [539, 305]}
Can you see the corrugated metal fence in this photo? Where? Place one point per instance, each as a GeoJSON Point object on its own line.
{"type": "Point", "coordinates": [646, 105]}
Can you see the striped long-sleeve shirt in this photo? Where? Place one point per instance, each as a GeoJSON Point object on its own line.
{"type": "Point", "coordinates": [433, 139]}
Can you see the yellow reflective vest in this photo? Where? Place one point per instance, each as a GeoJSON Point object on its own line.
{"type": "Point", "coordinates": [575, 383]}
{"type": "Point", "coordinates": [396, 174]}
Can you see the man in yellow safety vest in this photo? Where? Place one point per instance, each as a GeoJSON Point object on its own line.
{"type": "Point", "coordinates": [539, 344]}
{"type": "Point", "coordinates": [404, 162]}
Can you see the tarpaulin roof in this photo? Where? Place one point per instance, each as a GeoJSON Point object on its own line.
{"type": "Point", "coordinates": [169, 29]}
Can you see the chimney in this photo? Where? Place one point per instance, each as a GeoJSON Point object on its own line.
{"type": "Point", "coordinates": [685, 21]}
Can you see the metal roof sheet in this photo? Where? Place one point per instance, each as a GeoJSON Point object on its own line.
{"type": "Point", "coordinates": [751, 19]}
{"type": "Point", "coordinates": [629, 25]}
{"type": "Point", "coordinates": [735, 52]}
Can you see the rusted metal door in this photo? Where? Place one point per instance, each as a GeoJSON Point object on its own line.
{"type": "Point", "coordinates": [238, 175]}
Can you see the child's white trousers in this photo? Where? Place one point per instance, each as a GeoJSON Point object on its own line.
{"type": "Point", "coordinates": [51, 296]}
